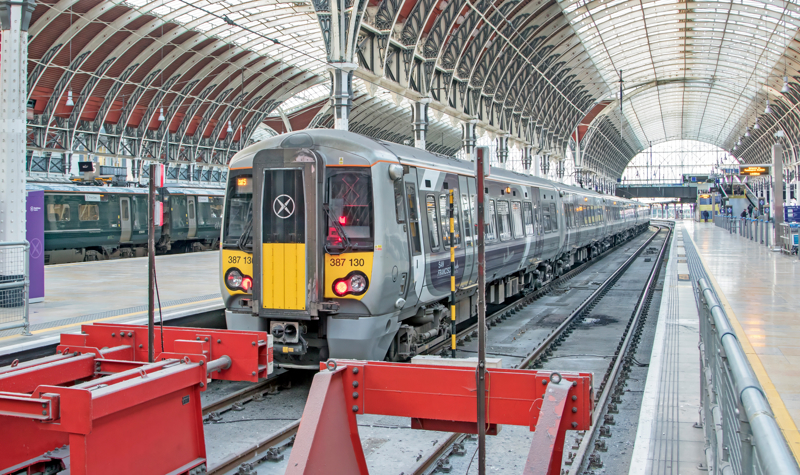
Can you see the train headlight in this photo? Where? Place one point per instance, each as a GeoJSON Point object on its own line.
{"type": "Point", "coordinates": [355, 283]}
{"type": "Point", "coordinates": [358, 283]}
{"type": "Point", "coordinates": [235, 280]}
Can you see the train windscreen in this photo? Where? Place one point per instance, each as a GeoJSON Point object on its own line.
{"type": "Point", "coordinates": [349, 200]}
{"type": "Point", "coordinates": [239, 213]}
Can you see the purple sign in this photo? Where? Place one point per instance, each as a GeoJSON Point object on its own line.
{"type": "Point", "coordinates": [35, 236]}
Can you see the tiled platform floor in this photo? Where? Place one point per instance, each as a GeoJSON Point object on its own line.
{"type": "Point", "coordinates": [667, 442]}
{"type": "Point", "coordinates": [116, 290]}
{"type": "Point", "coordinates": [760, 295]}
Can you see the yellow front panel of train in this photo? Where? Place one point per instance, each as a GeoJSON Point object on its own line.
{"type": "Point", "coordinates": [338, 266]}
{"type": "Point", "coordinates": [240, 260]}
{"type": "Point", "coordinates": [283, 276]}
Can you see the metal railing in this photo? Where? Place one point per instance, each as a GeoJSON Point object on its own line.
{"type": "Point", "coordinates": [755, 229]}
{"type": "Point", "coordinates": [742, 435]}
{"type": "Point", "coordinates": [790, 233]}
{"type": "Point", "coordinates": [14, 286]}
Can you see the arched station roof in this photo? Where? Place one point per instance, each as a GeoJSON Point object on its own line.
{"type": "Point", "coordinates": [102, 74]}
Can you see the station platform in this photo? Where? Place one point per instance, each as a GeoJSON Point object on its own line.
{"type": "Point", "coordinates": [115, 291]}
{"type": "Point", "coordinates": [755, 287]}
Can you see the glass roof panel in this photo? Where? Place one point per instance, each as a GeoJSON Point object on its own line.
{"type": "Point", "coordinates": [256, 22]}
{"type": "Point", "coordinates": [692, 70]}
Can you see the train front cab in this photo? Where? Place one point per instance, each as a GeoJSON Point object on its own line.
{"type": "Point", "coordinates": [299, 259]}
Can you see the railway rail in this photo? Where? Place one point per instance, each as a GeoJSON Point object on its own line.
{"type": "Point", "coordinates": [266, 447]}
{"type": "Point", "coordinates": [578, 460]}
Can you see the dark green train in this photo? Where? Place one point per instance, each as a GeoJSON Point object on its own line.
{"type": "Point", "coordinates": [87, 223]}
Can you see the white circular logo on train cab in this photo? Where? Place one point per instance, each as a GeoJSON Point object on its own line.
{"type": "Point", "coordinates": [283, 206]}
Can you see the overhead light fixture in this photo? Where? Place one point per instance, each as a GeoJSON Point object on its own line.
{"type": "Point", "coordinates": [785, 87]}
{"type": "Point", "coordinates": [161, 117]}
{"type": "Point", "coordinates": [460, 20]}
{"type": "Point", "coordinates": [230, 127]}
{"type": "Point", "coordinates": [739, 142]}
{"type": "Point", "coordinates": [734, 147]}
{"type": "Point", "coordinates": [70, 103]}
{"type": "Point", "coordinates": [768, 109]}
{"type": "Point", "coordinates": [747, 132]}
{"type": "Point", "coordinates": [756, 126]}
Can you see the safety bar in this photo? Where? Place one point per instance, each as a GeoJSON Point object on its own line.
{"type": "Point", "coordinates": [14, 286]}
{"type": "Point", "coordinates": [742, 433]}
{"type": "Point", "coordinates": [755, 229]}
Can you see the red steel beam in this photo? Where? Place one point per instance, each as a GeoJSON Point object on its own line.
{"type": "Point", "coordinates": [117, 413]}
{"type": "Point", "coordinates": [438, 398]}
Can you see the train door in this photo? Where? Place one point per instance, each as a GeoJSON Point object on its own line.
{"type": "Point", "coordinates": [125, 219]}
{"type": "Point", "coordinates": [467, 188]}
{"type": "Point", "coordinates": [416, 274]}
{"type": "Point", "coordinates": [191, 211]}
{"type": "Point", "coordinates": [287, 184]}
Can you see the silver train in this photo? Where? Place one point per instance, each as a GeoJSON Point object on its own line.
{"type": "Point", "coordinates": [339, 244]}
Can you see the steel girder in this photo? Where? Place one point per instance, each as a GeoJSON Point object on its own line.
{"type": "Point", "coordinates": [189, 88]}
{"type": "Point", "coordinates": [486, 65]}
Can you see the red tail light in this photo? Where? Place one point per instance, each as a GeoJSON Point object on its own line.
{"type": "Point", "coordinates": [340, 288]}
{"type": "Point", "coordinates": [247, 283]}
{"type": "Point", "coordinates": [343, 220]}
{"type": "Point", "coordinates": [355, 283]}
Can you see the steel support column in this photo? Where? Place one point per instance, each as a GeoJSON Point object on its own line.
{"type": "Point", "coordinates": [468, 139]}
{"type": "Point", "coordinates": [419, 116]}
{"type": "Point", "coordinates": [341, 93]}
{"type": "Point", "coordinates": [526, 158]}
{"type": "Point", "coordinates": [15, 17]}
{"type": "Point", "coordinates": [777, 193]}
{"type": "Point", "coordinates": [502, 150]}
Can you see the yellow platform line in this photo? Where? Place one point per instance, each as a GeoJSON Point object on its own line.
{"type": "Point", "coordinates": [124, 315]}
{"type": "Point", "coordinates": [782, 416]}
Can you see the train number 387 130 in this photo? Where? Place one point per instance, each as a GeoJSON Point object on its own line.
{"type": "Point", "coordinates": [341, 262]}
{"type": "Point", "coordinates": [242, 259]}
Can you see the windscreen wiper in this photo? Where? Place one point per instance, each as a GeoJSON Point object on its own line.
{"type": "Point", "coordinates": [339, 229]}
{"type": "Point", "coordinates": [247, 232]}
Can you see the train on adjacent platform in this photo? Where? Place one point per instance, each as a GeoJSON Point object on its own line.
{"type": "Point", "coordinates": [89, 223]}
{"type": "Point", "coordinates": [339, 245]}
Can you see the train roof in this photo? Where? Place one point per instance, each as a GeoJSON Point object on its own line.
{"type": "Point", "coordinates": [375, 151]}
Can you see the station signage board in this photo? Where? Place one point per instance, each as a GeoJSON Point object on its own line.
{"type": "Point", "coordinates": [754, 170]}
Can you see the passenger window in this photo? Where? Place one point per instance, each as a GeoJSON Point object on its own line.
{"type": "Point", "coordinates": [567, 216]}
{"type": "Point", "coordinates": [546, 218]}
{"type": "Point", "coordinates": [89, 213]}
{"type": "Point", "coordinates": [433, 226]}
{"type": "Point", "coordinates": [490, 227]}
{"type": "Point", "coordinates": [528, 217]}
{"type": "Point", "coordinates": [466, 218]}
{"type": "Point", "coordinates": [444, 209]}
{"type": "Point", "coordinates": [191, 209]}
{"type": "Point", "coordinates": [539, 220]}
{"type": "Point", "coordinates": [413, 218]}
{"type": "Point", "coordinates": [554, 216]}
{"type": "Point", "coordinates": [503, 221]}
{"type": "Point", "coordinates": [474, 211]}
{"type": "Point", "coordinates": [516, 218]}
{"type": "Point", "coordinates": [57, 212]}
{"type": "Point", "coordinates": [125, 212]}
{"type": "Point", "coordinates": [398, 202]}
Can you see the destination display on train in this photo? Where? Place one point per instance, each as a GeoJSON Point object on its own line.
{"type": "Point", "coordinates": [754, 170]}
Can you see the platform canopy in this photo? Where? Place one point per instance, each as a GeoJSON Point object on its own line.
{"type": "Point", "coordinates": [195, 81]}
